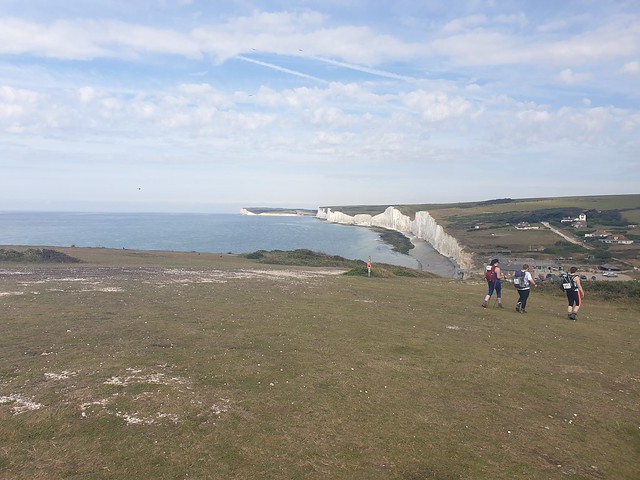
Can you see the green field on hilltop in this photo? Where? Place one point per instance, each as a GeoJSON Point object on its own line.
{"type": "Point", "coordinates": [472, 212]}
{"type": "Point", "coordinates": [182, 365]}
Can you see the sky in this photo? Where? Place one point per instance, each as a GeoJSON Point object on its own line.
{"type": "Point", "coordinates": [207, 106]}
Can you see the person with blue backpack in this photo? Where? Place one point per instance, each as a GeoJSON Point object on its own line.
{"type": "Point", "coordinates": [523, 280]}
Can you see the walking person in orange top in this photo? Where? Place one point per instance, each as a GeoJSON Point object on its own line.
{"type": "Point", "coordinates": [493, 274]}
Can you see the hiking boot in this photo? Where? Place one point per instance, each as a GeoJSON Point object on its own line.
{"type": "Point", "coordinates": [522, 310]}
{"type": "Point", "coordinates": [518, 307]}
{"type": "Point", "coordinates": [572, 316]}
{"type": "Point", "coordinates": [500, 305]}
{"type": "Point", "coordinates": [484, 304]}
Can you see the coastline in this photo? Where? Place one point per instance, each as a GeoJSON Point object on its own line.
{"type": "Point", "coordinates": [210, 233]}
{"type": "Point", "coordinates": [423, 226]}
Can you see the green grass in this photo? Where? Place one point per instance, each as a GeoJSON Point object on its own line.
{"type": "Point", "coordinates": [154, 365]}
{"type": "Point", "coordinates": [629, 204]}
{"type": "Point", "coordinates": [309, 258]}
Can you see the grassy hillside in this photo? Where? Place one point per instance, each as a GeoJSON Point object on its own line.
{"type": "Point", "coordinates": [184, 365]}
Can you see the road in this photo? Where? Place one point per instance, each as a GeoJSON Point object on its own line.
{"type": "Point", "coordinates": [566, 237]}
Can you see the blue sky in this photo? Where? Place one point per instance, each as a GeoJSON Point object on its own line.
{"type": "Point", "coordinates": [203, 106]}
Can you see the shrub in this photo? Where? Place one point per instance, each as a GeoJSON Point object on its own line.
{"type": "Point", "coordinates": [563, 248]}
{"type": "Point", "coordinates": [613, 290]}
{"type": "Point", "coordinates": [359, 271]}
{"type": "Point", "coordinates": [608, 218]}
{"type": "Point", "coordinates": [601, 254]}
{"type": "Point", "coordinates": [302, 256]}
{"type": "Point", "coordinates": [36, 255]}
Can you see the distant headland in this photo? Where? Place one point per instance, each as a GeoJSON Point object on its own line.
{"type": "Point", "coordinates": [279, 212]}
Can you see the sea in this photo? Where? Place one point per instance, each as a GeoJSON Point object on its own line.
{"type": "Point", "coordinates": [214, 233]}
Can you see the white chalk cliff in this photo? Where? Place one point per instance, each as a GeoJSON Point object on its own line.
{"type": "Point", "coordinates": [423, 226]}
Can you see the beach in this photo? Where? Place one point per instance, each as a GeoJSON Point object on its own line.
{"type": "Point", "coordinates": [429, 260]}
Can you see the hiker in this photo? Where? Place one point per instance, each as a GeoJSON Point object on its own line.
{"type": "Point", "coordinates": [575, 294]}
{"type": "Point", "coordinates": [493, 274]}
{"type": "Point", "coordinates": [523, 280]}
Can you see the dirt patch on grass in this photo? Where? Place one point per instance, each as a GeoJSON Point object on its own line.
{"type": "Point", "coordinates": [20, 403]}
{"type": "Point", "coordinates": [110, 279]}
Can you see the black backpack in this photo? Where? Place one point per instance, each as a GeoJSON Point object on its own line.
{"type": "Point", "coordinates": [566, 282]}
{"type": "Point", "coordinates": [520, 280]}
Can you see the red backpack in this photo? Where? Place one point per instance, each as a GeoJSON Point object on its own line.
{"type": "Point", "coordinates": [490, 273]}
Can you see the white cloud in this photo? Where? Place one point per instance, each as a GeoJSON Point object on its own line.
{"type": "Point", "coordinates": [517, 19]}
{"type": "Point", "coordinates": [631, 68]}
{"type": "Point", "coordinates": [59, 39]}
{"type": "Point", "coordinates": [86, 94]}
{"type": "Point", "coordinates": [616, 38]}
{"type": "Point", "coordinates": [461, 24]}
{"type": "Point", "coordinates": [568, 77]}
{"type": "Point", "coordinates": [436, 107]}
{"type": "Point", "coordinates": [564, 23]}
{"type": "Point", "coordinates": [281, 32]}
{"type": "Point", "coordinates": [534, 116]}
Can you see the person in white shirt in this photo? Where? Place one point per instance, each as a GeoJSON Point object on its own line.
{"type": "Point", "coordinates": [523, 281]}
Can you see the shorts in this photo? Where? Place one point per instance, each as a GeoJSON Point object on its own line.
{"type": "Point", "coordinates": [573, 297]}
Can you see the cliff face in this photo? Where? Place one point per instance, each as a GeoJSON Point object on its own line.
{"type": "Point", "coordinates": [423, 226]}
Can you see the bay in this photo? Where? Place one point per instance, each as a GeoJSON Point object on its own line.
{"type": "Point", "coordinates": [215, 233]}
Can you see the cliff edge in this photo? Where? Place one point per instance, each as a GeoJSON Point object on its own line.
{"type": "Point", "coordinates": [423, 226]}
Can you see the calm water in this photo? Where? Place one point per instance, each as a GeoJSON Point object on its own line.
{"type": "Point", "coordinates": [217, 233]}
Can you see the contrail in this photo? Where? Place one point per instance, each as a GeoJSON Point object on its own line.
{"type": "Point", "coordinates": [372, 71]}
{"type": "Point", "coordinates": [281, 69]}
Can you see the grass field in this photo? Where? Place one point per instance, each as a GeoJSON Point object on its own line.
{"type": "Point", "coordinates": [181, 366]}
{"type": "Point", "coordinates": [443, 211]}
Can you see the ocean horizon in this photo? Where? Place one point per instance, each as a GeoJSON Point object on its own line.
{"type": "Point", "coordinates": [210, 233]}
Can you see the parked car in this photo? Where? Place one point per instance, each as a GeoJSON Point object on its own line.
{"type": "Point", "coordinates": [609, 274]}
